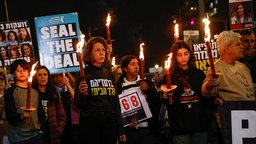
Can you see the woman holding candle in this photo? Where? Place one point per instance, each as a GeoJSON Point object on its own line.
{"type": "Point", "coordinates": [188, 114]}
{"type": "Point", "coordinates": [97, 99]}
{"type": "Point", "coordinates": [147, 131]}
{"type": "Point", "coordinates": [53, 108]}
{"type": "Point", "coordinates": [15, 97]}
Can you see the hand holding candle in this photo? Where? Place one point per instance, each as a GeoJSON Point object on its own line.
{"type": "Point", "coordinates": [108, 29]}
{"type": "Point", "coordinates": [168, 87]}
{"type": "Point", "coordinates": [207, 38]}
{"type": "Point", "coordinates": [30, 85]}
{"type": "Point", "coordinates": [167, 71]}
{"type": "Point", "coordinates": [28, 107]}
{"type": "Point", "coordinates": [79, 47]}
{"type": "Point", "coordinates": [142, 63]}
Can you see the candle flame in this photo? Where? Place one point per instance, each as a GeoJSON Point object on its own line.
{"type": "Point", "coordinates": [32, 72]}
{"type": "Point", "coordinates": [176, 29]}
{"type": "Point", "coordinates": [113, 61]}
{"type": "Point", "coordinates": [168, 61]}
{"type": "Point", "coordinates": [108, 19]}
{"type": "Point", "coordinates": [207, 35]}
{"type": "Point", "coordinates": [80, 44]}
{"type": "Point", "coordinates": [141, 51]}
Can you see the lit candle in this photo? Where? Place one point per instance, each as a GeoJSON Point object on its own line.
{"type": "Point", "coordinates": [167, 71]}
{"type": "Point", "coordinates": [79, 47]}
{"type": "Point", "coordinates": [142, 63]}
{"type": "Point", "coordinates": [30, 85]}
{"type": "Point", "coordinates": [176, 31]}
{"type": "Point", "coordinates": [113, 61]}
{"type": "Point", "coordinates": [108, 29]}
{"type": "Point", "coordinates": [207, 38]}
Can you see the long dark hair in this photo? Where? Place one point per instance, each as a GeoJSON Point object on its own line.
{"type": "Point", "coordinates": [246, 12]}
{"type": "Point", "coordinates": [27, 38]}
{"type": "Point", "coordinates": [51, 90]}
{"type": "Point", "coordinates": [15, 35]}
{"type": "Point", "coordinates": [177, 72]}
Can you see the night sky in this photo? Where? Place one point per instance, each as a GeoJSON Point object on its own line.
{"type": "Point", "coordinates": [133, 22]}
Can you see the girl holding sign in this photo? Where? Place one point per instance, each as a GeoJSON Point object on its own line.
{"type": "Point", "coordinates": [133, 91]}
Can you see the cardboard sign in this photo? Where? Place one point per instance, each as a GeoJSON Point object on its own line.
{"type": "Point", "coordinates": [134, 105]}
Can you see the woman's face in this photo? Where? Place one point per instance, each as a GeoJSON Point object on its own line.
{"type": "Point", "coordinates": [11, 37]}
{"type": "Point", "coordinates": [3, 52]}
{"type": "Point", "coordinates": [26, 50]}
{"type": "Point", "coordinates": [14, 52]}
{"type": "Point", "coordinates": [240, 10]}
{"type": "Point", "coordinates": [98, 54]}
{"type": "Point", "coordinates": [133, 68]}
{"type": "Point", "coordinates": [42, 77]}
{"type": "Point", "coordinates": [59, 80]}
{"type": "Point", "coordinates": [182, 57]}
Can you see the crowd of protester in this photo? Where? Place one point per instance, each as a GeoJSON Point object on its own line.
{"type": "Point", "coordinates": [78, 108]}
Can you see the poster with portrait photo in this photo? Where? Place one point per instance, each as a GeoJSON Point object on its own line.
{"type": "Point", "coordinates": [16, 33]}
{"type": "Point", "coordinates": [241, 14]}
{"type": "Point", "coordinates": [191, 37]}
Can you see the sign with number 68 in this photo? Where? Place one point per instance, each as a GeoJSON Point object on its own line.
{"type": "Point", "coordinates": [130, 102]}
{"type": "Point", "coordinates": [134, 105]}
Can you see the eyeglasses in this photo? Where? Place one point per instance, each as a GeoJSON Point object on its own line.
{"type": "Point", "coordinates": [20, 71]}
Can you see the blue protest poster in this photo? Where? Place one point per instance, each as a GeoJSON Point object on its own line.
{"type": "Point", "coordinates": [57, 36]}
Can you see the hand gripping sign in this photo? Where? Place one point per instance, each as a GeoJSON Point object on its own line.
{"type": "Point", "coordinates": [134, 105]}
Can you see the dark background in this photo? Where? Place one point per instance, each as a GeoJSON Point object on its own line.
{"type": "Point", "coordinates": [133, 21]}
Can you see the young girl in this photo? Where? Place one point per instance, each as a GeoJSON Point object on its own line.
{"type": "Point", "coordinates": [148, 130]}
{"type": "Point", "coordinates": [188, 110]}
{"type": "Point", "coordinates": [51, 101]}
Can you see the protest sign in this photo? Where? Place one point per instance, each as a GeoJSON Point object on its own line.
{"type": "Point", "coordinates": [134, 105]}
{"type": "Point", "coordinates": [57, 36]}
{"type": "Point", "coordinates": [15, 42]}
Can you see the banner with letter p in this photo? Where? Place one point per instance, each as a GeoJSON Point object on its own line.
{"type": "Point", "coordinates": [238, 122]}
